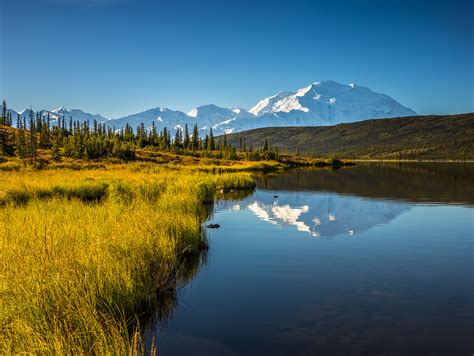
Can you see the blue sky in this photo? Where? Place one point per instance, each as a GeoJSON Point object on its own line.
{"type": "Point", "coordinates": [117, 57]}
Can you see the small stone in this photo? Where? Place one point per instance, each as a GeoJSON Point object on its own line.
{"type": "Point", "coordinates": [213, 226]}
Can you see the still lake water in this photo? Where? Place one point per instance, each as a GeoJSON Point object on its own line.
{"type": "Point", "coordinates": [372, 259]}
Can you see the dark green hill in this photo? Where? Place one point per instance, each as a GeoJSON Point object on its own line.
{"type": "Point", "coordinates": [415, 137]}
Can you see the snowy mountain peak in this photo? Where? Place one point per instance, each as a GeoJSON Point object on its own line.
{"type": "Point", "coordinates": [263, 106]}
{"type": "Point", "coordinates": [206, 109]}
{"type": "Point", "coordinates": [63, 113]}
{"type": "Point", "coordinates": [328, 102]}
{"type": "Point", "coordinates": [210, 115]}
{"type": "Point", "coordinates": [317, 104]}
{"type": "Point", "coordinates": [60, 109]}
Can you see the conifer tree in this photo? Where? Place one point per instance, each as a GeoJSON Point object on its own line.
{"type": "Point", "coordinates": [3, 141]}
{"type": "Point", "coordinates": [165, 139]}
{"type": "Point", "coordinates": [3, 119]}
{"type": "Point", "coordinates": [212, 144]}
{"type": "Point", "coordinates": [186, 140]}
{"type": "Point", "coordinates": [32, 138]}
{"type": "Point", "coordinates": [195, 140]}
{"type": "Point", "coordinates": [55, 150]}
{"type": "Point", "coordinates": [153, 135]}
{"type": "Point", "coordinates": [177, 139]}
{"type": "Point", "coordinates": [20, 148]}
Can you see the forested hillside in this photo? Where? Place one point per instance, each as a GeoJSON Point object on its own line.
{"type": "Point", "coordinates": [414, 137]}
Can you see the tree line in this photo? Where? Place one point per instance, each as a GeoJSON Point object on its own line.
{"type": "Point", "coordinates": [81, 140]}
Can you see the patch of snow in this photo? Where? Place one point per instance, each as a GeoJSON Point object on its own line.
{"type": "Point", "coordinates": [302, 92]}
{"type": "Point", "coordinates": [289, 104]}
{"type": "Point", "coordinates": [193, 112]}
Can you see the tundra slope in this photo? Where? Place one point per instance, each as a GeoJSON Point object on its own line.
{"type": "Point", "coordinates": [446, 137]}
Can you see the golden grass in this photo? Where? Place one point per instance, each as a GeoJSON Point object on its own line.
{"type": "Point", "coordinates": [85, 252]}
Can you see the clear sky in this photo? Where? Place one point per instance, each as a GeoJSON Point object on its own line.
{"type": "Point", "coordinates": [118, 57]}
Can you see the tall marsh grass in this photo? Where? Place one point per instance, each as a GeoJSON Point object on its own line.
{"type": "Point", "coordinates": [86, 253]}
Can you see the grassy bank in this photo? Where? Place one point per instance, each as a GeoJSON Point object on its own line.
{"type": "Point", "coordinates": [85, 253]}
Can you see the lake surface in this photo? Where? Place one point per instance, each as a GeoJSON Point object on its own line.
{"type": "Point", "coordinates": [372, 259]}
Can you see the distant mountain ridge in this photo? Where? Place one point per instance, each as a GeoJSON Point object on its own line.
{"type": "Point", "coordinates": [54, 115]}
{"type": "Point", "coordinates": [318, 104]}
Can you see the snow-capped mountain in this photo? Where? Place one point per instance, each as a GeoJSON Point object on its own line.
{"type": "Point", "coordinates": [162, 117]}
{"type": "Point", "coordinates": [318, 104]}
{"type": "Point", "coordinates": [330, 103]}
{"type": "Point", "coordinates": [54, 115]}
{"type": "Point", "coordinates": [205, 117]}
{"type": "Point", "coordinates": [77, 115]}
{"type": "Point", "coordinates": [212, 114]}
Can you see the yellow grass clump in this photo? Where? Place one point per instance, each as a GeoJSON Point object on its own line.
{"type": "Point", "coordinates": [85, 253]}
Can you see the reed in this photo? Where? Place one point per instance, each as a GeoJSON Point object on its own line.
{"type": "Point", "coordinates": [85, 253]}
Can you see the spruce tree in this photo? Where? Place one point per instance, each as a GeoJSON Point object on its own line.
{"type": "Point", "coordinates": [212, 144]}
{"type": "Point", "coordinates": [3, 119]}
{"type": "Point", "coordinates": [195, 140]}
{"type": "Point", "coordinates": [3, 141]}
{"type": "Point", "coordinates": [186, 140]}
{"type": "Point", "coordinates": [153, 135]}
{"type": "Point", "coordinates": [177, 139]}
{"type": "Point", "coordinates": [55, 149]}
{"type": "Point", "coordinates": [20, 149]}
{"type": "Point", "coordinates": [32, 138]}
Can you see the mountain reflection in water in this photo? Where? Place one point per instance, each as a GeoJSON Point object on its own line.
{"type": "Point", "coordinates": [324, 214]}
